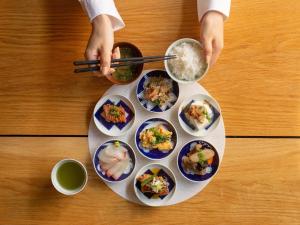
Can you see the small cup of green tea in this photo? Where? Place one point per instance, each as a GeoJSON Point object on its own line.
{"type": "Point", "coordinates": [127, 74]}
{"type": "Point", "coordinates": [69, 176]}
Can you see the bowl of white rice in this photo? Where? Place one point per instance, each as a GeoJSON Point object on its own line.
{"type": "Point", "coordinates": [190, 64]}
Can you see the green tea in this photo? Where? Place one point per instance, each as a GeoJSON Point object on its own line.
{"type": "Point", "coordinates": [70, 175]}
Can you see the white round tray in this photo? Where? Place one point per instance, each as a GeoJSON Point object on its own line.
{"type": "Point", "coordinates": [185, 189]}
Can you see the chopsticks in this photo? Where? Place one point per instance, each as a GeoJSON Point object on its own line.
{"type": "Point", "coordinates": [119, 62]}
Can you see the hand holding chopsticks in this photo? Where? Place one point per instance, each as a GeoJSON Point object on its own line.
{"type": "Point", "coordinates": [119, 62]}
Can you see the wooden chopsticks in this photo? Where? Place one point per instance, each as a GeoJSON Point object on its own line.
{"type": "Point", "coordinates": [119, 62]}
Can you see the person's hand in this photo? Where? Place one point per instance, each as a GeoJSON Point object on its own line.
{"type": "Point", "coordinates": [211, 35]}
{"type": "Point", "coordinates": [101, 43]}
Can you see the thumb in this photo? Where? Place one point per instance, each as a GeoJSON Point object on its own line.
{"type": "Point", "coordinates": [116, 53]}
{"type": "Point", "coordinates": [207, 45]}
{"type": "Point", "coordinates": [105, 61]}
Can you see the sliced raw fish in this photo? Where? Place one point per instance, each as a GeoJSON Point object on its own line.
{"type": "Point", "coordinates": [122, 149]}
{"type": "Point", "coordinates": [114, 148]}
{"type": "Point", "coordinates": [110, 151]}
{"type": "Point", "coordinates": [106, 166]}
{"type": "Point", "coordinates": [117, 152]}
{"type": "Point", "coordinates": [106, 159]}
{"type": "Point", "coordinates": [120, 155]}
{"type": "Point", "coordinates": [114, 169]}
{"type": "Point", "coordinates": [121, 170]}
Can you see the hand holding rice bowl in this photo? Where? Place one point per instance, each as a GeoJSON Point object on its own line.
{"type": "Point", "coordinates": [190, 64]}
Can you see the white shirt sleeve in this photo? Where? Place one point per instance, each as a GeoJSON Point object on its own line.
{"type": "Point", "coordinates": [222, 6]}
{"type": "Point", "coordinates": [95, 8]}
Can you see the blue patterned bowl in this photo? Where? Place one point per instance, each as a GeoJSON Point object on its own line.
{"type": "Point", "coordinates": [109, 128]}
{"type": "Point", "coordinates": [155, 154]}
{"type": "Point", "coordinates": [190, 128]}
{"type": "Point", "coordinates": [99, 170]}
{"type": "Point", "coordinates": [160, 170]}
{"type": "Point", "coordinates": [150, 106]}
{"type": "Point", "coordinates": [195, 177]}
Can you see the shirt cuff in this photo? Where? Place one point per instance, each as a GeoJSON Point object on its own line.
{"type": "Point", "coordinates": [95, 8]}
{"type": "Point", "coordinates": [222, 6]}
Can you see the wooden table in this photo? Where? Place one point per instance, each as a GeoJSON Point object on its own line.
{"type": "Point", "coordinates": [45, 110]}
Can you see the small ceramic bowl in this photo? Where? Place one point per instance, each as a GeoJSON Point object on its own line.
{"type": "Point", "coordinates": [126, 50]}
{"type": "Point", "coordinates": [150, 106]}
{"type": "Point", "coordinates": [167, 62]}
{"type": "Point", "coordinates": [109, 128]}
{"type": "Point", "coordinates": [188, 126]}
{"type": "Point", "coordinates": [160, 170]}
{"type": "Point", "coordinates": [155, 154]}
{"type": "Point", "coordinates": [56, 183]}
{"type": "Point", "coordinates": [102, 174]}
{"type": "Point", "coordinates": [190, 175]}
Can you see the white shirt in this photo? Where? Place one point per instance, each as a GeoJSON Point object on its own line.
{"type": "Point", "coordinates": [94, 8]}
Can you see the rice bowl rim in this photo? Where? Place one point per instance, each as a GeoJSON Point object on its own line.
{"type": "Point", "coordinates": [175, 43]}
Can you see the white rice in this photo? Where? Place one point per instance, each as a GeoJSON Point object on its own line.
{"type": "Point", "coordinates": [189, 63]}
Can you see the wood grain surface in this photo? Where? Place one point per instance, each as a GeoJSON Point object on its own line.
{"type": "Point", "coordinates": [258, 183]}
{"type": "Point", "coordinates": [256, 79]}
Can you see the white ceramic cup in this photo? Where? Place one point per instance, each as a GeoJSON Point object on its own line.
{"type": "Point", "coordinates": [57, 185]}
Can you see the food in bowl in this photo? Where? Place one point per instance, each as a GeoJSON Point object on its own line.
{"type": "Point", "coordinates": [199, 114]}
{"type": "Point", "coordinates": [157, 137]}
{"type": "Point", "coordinates": [190, 62]}
{"type": "Point", "coordinates": [199, 160]}
{"type": "Point", "coordinates": [153, 184]}
{"type": "Point", "coordinates": [158, 90]}
{"type": "Point", "coordinates": [114, 114]}
{"type": "Point", "coordinates": [127, 74]}
{"type": "Point", "coordinates": [115, 160]}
